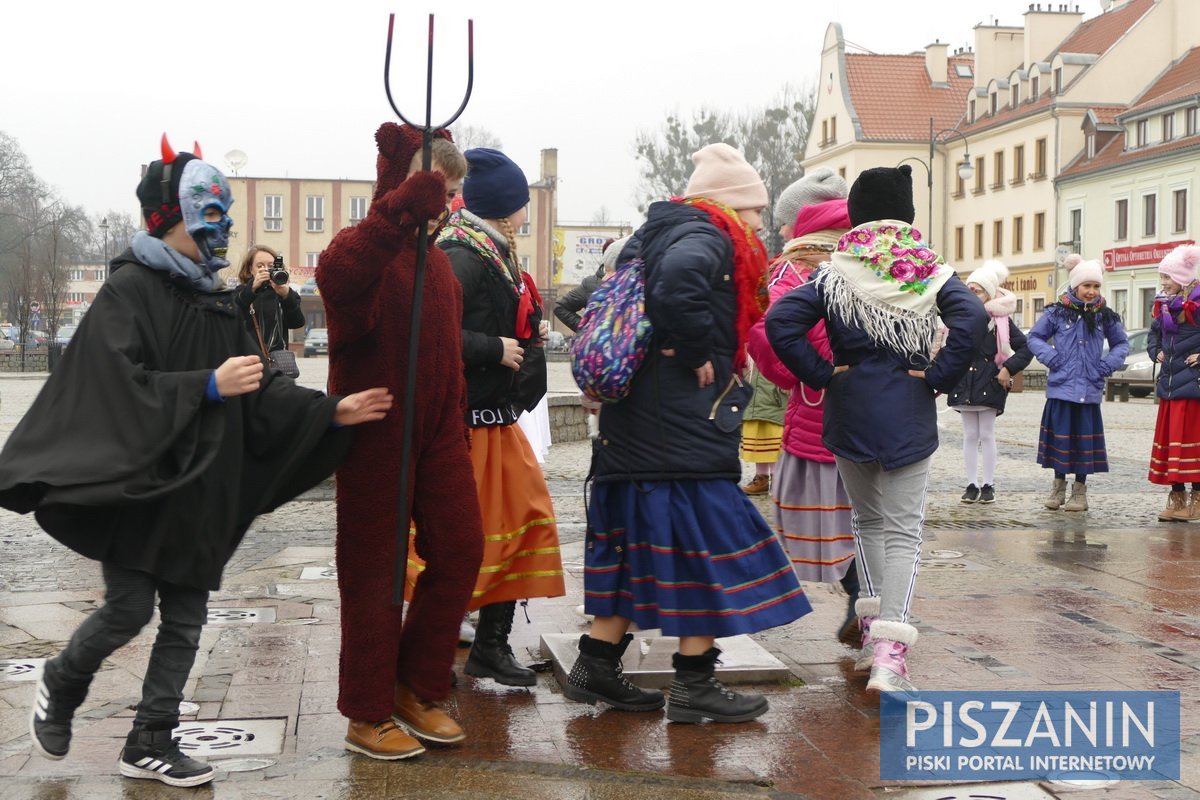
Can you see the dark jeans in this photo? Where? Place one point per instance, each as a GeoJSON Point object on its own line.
{"type": "Point", "coordinates": [128, 606]}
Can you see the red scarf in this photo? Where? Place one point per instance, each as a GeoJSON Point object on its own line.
{"type": "Point", "coordinates": [749, 268]}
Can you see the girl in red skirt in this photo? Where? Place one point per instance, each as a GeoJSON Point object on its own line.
{"type": "Point", "coordinates": [1174, 343]}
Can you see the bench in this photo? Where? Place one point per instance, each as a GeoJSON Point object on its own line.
{"type": "Point", "coordinates": [1118, 387]}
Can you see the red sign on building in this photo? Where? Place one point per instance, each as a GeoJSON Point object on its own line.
{"type": "Point", "coordinates": [1141, 254]}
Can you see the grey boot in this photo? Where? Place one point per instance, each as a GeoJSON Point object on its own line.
{"type": "Point", "coordinates": [1058, 494]}
{"type": "Point", "coordinates": [1078, 501]}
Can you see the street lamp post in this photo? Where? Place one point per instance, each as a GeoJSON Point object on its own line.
{"type": "Point", "coordinates": [104, 227]}
{"type": "Point", "coordinates": [965, 168]}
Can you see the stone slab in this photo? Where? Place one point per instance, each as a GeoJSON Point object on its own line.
{"type": "Point", "coordinates": [647, 662]}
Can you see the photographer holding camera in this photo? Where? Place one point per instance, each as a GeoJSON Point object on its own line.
{"type": "Point", "coordinates": [269, 306]}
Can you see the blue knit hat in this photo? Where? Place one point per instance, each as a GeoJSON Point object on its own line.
{"type": "Point", "coordinates": [495, 187]}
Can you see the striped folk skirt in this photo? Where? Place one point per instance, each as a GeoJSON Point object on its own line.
{"type": "Point", "coordinates": [812, 518]}
{"type": "Point", "coordinates": [692, 558]}
{"type": "Point", "coordinates": [1175, 454]}
{"type": "Point", "coordinates": [520, 536]}
{"type": "Point", "coordinates": [1072, 438]}
{"type": "Point", "coordinates": [761, 441]}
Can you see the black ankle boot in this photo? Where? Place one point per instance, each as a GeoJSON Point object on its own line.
{"type": "Point", "coordinates": [490, 655]}
{"type": "Point", "coordinates": [597, 675]}
{"type": "Point", "coordinates": [697, 695]}
{"type": "Point", "coordinates": [849, 631]}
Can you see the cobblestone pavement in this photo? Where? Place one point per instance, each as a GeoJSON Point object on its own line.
{"type": "Point", "coordinates": [1011, 597]}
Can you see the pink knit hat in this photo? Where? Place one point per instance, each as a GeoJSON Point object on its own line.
{"type": "Point", "coordinates": [1180, 264]}
{"type": "Point", "coordinates": [1080, 271]}
{"type": "Point", "coordinates": [724, 175]}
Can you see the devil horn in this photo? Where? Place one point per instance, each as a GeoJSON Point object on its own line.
{"type": "Point", "coordinates": [167, 153]}
{"type": "Point", "coordinates": [196, 149]}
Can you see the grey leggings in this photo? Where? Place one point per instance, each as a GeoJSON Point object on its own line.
{"type": "Point", "coordinates": [887, 513]}
{"type": "Point", "coordinates": [128, 607]}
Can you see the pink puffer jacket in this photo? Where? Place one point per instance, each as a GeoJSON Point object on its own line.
{"type": "Point", "coordinates": [805, 413]}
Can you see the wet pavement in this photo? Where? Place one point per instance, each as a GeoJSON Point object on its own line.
{"type": "Point", "coordinates": [1011, 597]}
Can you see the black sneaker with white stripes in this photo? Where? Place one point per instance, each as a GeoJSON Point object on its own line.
{"type": "Point", "coordinates": [54, 704]}
{"type": "Point", "coordinates": [156, 755]}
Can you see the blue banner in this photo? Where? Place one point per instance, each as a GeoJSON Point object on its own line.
{"type": "Point", "coordinates": [1029, 735]}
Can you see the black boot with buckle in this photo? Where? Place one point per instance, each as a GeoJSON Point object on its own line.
{"type": "Point", "coordinates": [597, 675]}
{"type": "Point", "coordinates": [697, 695]}
{"type": "Point", "coordinates": [491, 656]}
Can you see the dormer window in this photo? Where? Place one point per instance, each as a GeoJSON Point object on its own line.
{"type": "Point", "coordinates": [1091, 145]}
{"type": "Point", "coordinates": [1192, 117]}
{"type": "Point", "coordinates": [1168, 127]}
{"type": "Point", "coordinates": [995, 102]}
{"type": "Point", "coordinates": [1016, 95]}
{"type": "Point", "coordinates": [1033, 87]}
{"type": "Point", "coordinates": [1143, 132]}
{"type": "Point", "coordinates": [971, 111]}
{"type": "Point", "coordinates": [1058, 80]}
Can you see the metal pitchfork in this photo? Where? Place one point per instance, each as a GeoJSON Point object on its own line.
{"type": "Point", "coordinates": [410, 387]}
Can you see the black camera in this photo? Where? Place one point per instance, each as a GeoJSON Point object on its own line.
{"type": "Point", "coordinates": [279, 275]}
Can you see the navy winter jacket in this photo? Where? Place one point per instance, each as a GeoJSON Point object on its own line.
{"type": "Point", "coordinates": [980, 387]}
{"type": "Point", "coordinates": [1077, 370]}
{"type": "Point", "coordinates": [668, 428]}
{"type": "Point", "coordinates": [876, 411]}
{"type": "Point", "coordinates": [1177, 380]}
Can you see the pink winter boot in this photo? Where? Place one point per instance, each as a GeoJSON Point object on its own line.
{"type": "Point", "coordinates": [890, 642]}
{"type": "Point", "coordinates": [867, 609]}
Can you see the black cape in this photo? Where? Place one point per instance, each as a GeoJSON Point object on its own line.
{"type": "Point", "coordinates": [124, 460]}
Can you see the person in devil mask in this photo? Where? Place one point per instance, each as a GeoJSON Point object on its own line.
{"type": "Point", "coordinates": [152, 447]}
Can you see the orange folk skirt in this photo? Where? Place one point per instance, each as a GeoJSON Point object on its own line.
{"type": "Point", "coordinates": [520, 535]}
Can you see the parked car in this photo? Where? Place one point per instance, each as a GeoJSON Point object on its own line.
{"type": "Point", "coordinates": [6, 342]}
{"type": "Point", "coordinates": [1138, 364]}
{"type": "Point", "coordinates": [35, 339]}
{"type": "Point", "coordinates": [63, 337]}
{"type": "Point", "coordinates": [317, 341]}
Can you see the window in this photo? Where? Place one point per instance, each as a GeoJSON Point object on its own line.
{"type": "Point", "coordinates": [74, 274]}
{"type": "Point", "coordinates": [1179, 210]}
{"type": "Point", "coordinates": [971, 110]}
{"type": "Point", "coordinates": [993, 98]}
{"type": "Point", "coordinates": [998, 237]}
{"type": "Point", "coordinates": [1039, 230]}
{"type": "Point", "coordinates": [1034, 86]}
{"type": "Point", "coordinates": [311, 259]}
{"type": "Point", "coordinates": [1039, 159]}
{"type": "Point", "coordinates": [828, 131]}
{"type": "Point", "coordinates": [1091, 145]}
{"type": "Point", "coordinates": [1168, 127]}
{"type": "Point", "coordinates": [1143, 132]}
{"type": "Point", "coordinates": [1120, 302]}
{"type": "Point", "coordinates": [1192, 117]}
{"type": "Point", "coordinates": [1018, 233]}
{"type": "Point", "coordinates": [1149, 214]}
{"type": "Point", "coordinates": [273, 212]}
{"type": "Point", "coordinates": [998, 178]}
{"type": "Point", "coordinates": [315, 213]}
{"type": "Point", "coordinates": [833, 130]}
{"type": "Point", "coordinates": [74, 297]}
{"type": "Point", "coordinates": [1058, 81]}
{"type": "Point", "coordinates": [525, 263]}
{"type": "Point", "coordinates": [1076, 229]}
{"type": "Point", "coordinates": [1121, 226]}
{"type": "Point", "coordinates": [524, 229]}
{"type": "Point", "coordinates": [960, 186]}
{"type": "Point", "coordinates": [358, 209]}
{"type": "Point", "coordinates": [1147, 298]}
{"type": "Point", "coordinates": [1039, 306]}
{"type": "Point", "coordinates": [1019, 316]}
{"type": "Point", "coordinates": [959, 235]}
{"type": "Point", "coordinates": [979, 240]}
{"type": "Point", "coordinates": [1016, 95]}
{"type": "Point", "coordinates": [824, 132]}
{"type": "Point", "coordinates": [979, 175]}
{"type": "Point", "coordinates": [1018, 164]}
{"type": "Point", "coordinates": [101, 274]}
{"type": "Point", "coordinates": [842, 172]}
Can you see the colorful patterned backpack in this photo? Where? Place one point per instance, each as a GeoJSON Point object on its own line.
{"type": "Point", "coordinates": [612, 340]}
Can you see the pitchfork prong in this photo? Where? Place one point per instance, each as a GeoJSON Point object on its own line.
{"type": "Point", "coordinates": [429, 127]}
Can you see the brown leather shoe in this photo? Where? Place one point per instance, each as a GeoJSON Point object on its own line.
{"type": "Point", "coordinates": [759, 484]}
{"type": "Point", "coordinates": [425, 718]}
{"type": "Point", "coordinates": [383, 740]}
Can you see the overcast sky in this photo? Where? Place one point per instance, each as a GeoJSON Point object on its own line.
{"type": "Point", "coordinates": [87, 88]}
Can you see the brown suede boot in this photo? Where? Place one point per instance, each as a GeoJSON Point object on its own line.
{"type": "Point", "coordinates": [1176, 508]}
{"type": "Point", "coordinates": [425, 719]}
{"type": "Point", "coordinates": [1078, 499]}
{"type": "Point", "coordinates": [382, 740]}
{"type": "Point", "coordinates": [1058, 495]}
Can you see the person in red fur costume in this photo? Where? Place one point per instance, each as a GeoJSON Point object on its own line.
{"type": "Point", "coordinates": [396, 670]}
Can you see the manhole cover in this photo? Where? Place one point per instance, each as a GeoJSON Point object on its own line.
{"type": "Point", "coordinates": [240, 616]}
{"type": "Point", "coordinates": [243, 764]}
{"type": "Point", "coordinates": [944, 554]}
{"type": "Point", "coordinates": [238, 736]}
{"type": "Point", "coordinates": [318, 574]}
{"type": "Point", "coordinates": [21, 669]}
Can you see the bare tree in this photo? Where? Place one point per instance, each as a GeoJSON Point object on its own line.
{"type": "Point", "coordinates": [121, 228]}
{"type": "Point", "coordinates": [601, 217]}
{"type": "Point", "coordinates": [469, 136]}
{"type": "Point", "coordinates": [666, 154]}
{"type": "Point", "coordinates": [63, 242]}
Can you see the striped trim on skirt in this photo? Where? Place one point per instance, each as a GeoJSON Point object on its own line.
{"type": "Point", "coordinates": [812, 517]}
{"type": "Point", "coordinates": [1072, 438]}
{"type": "Point", "coordinates": [520, 535]}
{"type": "Point", "coordinates": [692, 558]}
{"type": "Point", "coordinates": [761, 441]}
{"type": "Point", "coordinates": [1175, 454]}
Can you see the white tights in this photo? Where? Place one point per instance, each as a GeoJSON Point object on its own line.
{"type": "Point", "coordinates": [979, 432]}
